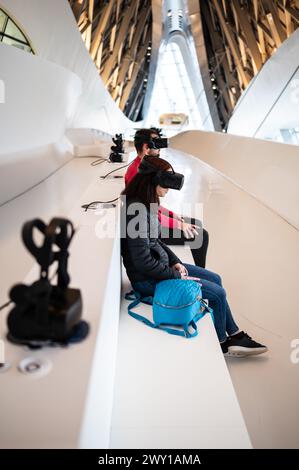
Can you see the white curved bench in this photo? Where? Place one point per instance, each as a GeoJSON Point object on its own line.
{"type": "Point", "coordinates": [70, 406]}
{"type": "Point", "coordinates": [170, 392]}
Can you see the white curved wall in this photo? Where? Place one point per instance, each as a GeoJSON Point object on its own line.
{"type": "Point", "coordinates": [271, 101]}
{"type": "Point", "coordinates": [40, 100]}
{"type": "Point", "coordinates": [267, 170]}
{"type": "Point", "coordinates": [52, 30]}
{"type": "Point", "coordinates": [48, 94]}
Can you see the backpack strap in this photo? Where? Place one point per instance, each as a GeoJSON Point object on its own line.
{"type": "Point", "coordinates": [173, 331]}
{"type": "Point", "coordinates": [136, 300]}
{"type": "Point", "coordinates": [208, 309]}
{"type": "Point", "coordinates": [196, 318]}
{"type": "Point", "coordinates": [133, 295]}
{"type": "Point", "coordinates": [194, 326]}
{"type": "Point", "coordinates": [186, 333]}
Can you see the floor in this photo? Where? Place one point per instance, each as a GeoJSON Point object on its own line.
{"type": "Point", "coordinates": [256, 253]}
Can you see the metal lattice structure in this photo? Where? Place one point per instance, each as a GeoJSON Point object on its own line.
{"type": "Point", "coordinates": [239, 36]}
{"type": "Point", "coordinates": [117, 34]}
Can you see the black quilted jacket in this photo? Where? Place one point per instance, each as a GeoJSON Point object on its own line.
{"type": "Point", "coordinates": [145, 256]}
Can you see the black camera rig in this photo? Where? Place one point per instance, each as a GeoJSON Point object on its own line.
{"type": "Point", "coordinates": [44, 312]}
{"type": "Point", "coordinates": [117, 149]}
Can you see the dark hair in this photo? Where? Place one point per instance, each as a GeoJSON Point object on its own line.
{"type": "Point", "coordinates": [142, 188]}
{"type": "Point", "coordinates": [143, 136]}
{"type": "Point", "coordinates": [157, 130]}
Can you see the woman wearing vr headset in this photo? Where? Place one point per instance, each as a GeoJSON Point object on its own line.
{"type": "Point", "coordinates": [148, 260]}
{"type": "Point", "coordinates": [175, 230]}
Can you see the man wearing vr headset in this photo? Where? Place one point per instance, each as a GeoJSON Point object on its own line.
{"type": "Point", "coordinates": [175, 230]}
{"type": "Point", "coordinates": [142, 139]}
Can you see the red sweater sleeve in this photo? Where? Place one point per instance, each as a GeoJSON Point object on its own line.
{"type": "Point", "coordinates": [132, 170]}
{"type": "Point", "coordinates": [166, 221]}
{"type": "Point", "coordinates": [166, 211]}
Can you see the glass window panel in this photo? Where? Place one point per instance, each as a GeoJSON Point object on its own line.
{"type": "Point", "coordinates": [13, 42]}
{"type": "Point", "coordinates": [173, 92]}
{"type": "Point", "coordinates": [12, 30]}
{"type": "Point", "coordinates": [2, 20]}
{"type": "Point", "coordinates": [16, 37]}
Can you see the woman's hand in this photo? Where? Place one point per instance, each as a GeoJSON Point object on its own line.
{"type": "Point", "coordinates": [181, 268]}
{"type": "Point", "coordinates": [191, 278]}
{"type": "Point", "coordinates": [190, 230]}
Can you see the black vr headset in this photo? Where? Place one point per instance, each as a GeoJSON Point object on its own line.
{"type": "Point", "coordinates": [152, 142]}
{"type": "Point", "coordinates": [165, 179]}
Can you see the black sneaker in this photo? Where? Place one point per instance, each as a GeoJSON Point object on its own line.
{"type": "Point", "coordinates": [241, 345]}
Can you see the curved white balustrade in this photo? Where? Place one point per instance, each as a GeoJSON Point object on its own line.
{"type": "Point", "coordinates": [96, 109]}
{"type": "Point", "coordinates": [267, 170]}
{"type": "Point", "coordinates": [40, 100]}
{"type": "Point", "coordinates": [271, 101]}
{"type": "Point", "coordinates": [256, 252]}
{"type": "Point", "coordinates": [45, 95]}
{"type": "Point", "coordinates": [70, 406]}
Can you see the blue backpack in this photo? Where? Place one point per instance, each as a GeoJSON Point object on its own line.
{"type": "Point", "coordinates": [176, 302]}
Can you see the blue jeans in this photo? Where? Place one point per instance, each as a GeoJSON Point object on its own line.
{"type": "Point", "coordinates": [211, 289]}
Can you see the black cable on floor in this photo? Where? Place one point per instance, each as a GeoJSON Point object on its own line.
{"type": "Point", "coordinates": [5, 305]}
{"type": "Point", "coordinates": [99, 161]}
{"type": "Point", "coordinates": [116, 169]}
{"type": "Point", "coordinates": [87, 206]}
